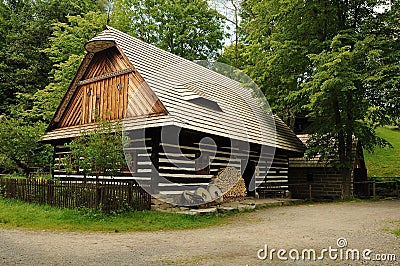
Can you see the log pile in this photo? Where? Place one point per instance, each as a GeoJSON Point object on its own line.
{"type": "Point", "coordinates": [231, 184]}
{"type": "Point", "coordinates": [227, 185]}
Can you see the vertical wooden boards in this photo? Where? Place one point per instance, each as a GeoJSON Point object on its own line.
{"type": "Point", "coordinates": [110, 89]}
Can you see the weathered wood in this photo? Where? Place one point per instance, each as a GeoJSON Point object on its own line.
{"type": "Point", "coordinates": [98, 94]}
{"type": "Point", "coordinates": [106, 76]}
{"type": "Point", "coordinates": [110, 194]}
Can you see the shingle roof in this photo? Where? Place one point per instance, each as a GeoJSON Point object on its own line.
{"type": "Point", "coordinates": [177, 81]}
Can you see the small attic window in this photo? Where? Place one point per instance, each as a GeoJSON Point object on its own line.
{"type": "Point", "coordinates": [205, 103]}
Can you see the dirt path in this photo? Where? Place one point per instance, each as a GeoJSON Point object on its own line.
{"type": "Point", "coordinates": [316, 226]}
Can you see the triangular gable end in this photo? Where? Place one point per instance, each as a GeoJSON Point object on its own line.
{"type": "Point", "coordinates": [108, 88]}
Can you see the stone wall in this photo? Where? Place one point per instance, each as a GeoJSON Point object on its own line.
{"type": "Point", "coordinates": [323, 182]}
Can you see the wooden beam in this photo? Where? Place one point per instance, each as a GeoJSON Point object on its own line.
{"type": "Point", "coordinates": [106, 76]}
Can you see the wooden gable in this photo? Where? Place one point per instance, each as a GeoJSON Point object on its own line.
{"type": "Point", "coordinates": [110, 89]}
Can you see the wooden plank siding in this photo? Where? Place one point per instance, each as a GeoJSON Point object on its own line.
{"type": "Point", "coordinates": [273, 182]}
{"type": "Point", "coordinates": [110, 89]}
{"type": "Point", "coordinates": [163, 176]}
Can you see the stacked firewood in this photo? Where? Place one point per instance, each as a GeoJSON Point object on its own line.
{"type": "Point", "coordinates": [231, 183]}
{"type": "Point", "coordinates": [227, 185]}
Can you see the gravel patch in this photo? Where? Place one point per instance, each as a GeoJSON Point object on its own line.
{"type": "Point", "coordinates": [364, 225]}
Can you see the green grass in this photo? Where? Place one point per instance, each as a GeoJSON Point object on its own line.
{"type": "Point", "coordinates": [19, 176]}
{"type": "Point", "coordinates": [14, 176]}
{"type": "Point", "coordinates": [385, 162]}
{"type": "Point", "coordinates": [41, 217]}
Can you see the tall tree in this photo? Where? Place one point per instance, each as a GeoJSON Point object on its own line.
{"type": "Point", "coordinates": [337, 59]}
{"type": "Point", "coordinates": [25, 66]}
{"type": "Point", "coordinates": [230, 13]}
{"type": "Point", "coordinates": [26, 26]}
{"type": "Point", "coordinates": [20, 148]}
{"type": "Point", "coordinates": [190, 29]}
{"type": "Point", "coordinates": [66, 52]}
{"type": "Point", "coordinates": [280, 35]}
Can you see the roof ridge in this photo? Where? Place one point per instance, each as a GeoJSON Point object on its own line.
{"type": "Point", "coordinates": [111, 29]}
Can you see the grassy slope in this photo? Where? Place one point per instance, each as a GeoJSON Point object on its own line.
{"type": "Point", "coordinates": [20, 214]}
{"type": "Point", "coordinates": [385, 162]}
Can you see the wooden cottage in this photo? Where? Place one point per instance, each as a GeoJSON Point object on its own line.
{"type": "Point", "coordinates": [312, 179]}
{"type": "Point", "coordinates": [185, 121]}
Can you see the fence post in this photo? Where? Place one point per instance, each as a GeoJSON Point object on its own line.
{"type": "Point", "coordinates": [130, 194]}
{"type": "Point", "coordinates": [50, 192]}
{"type": "Point", "coordinates": [98, 195]}
{"type": "Point", "coordinates": [374, 189]}
{"type": "Point", "coordinates": [309, 190]}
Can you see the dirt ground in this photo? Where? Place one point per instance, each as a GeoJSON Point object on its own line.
{"type": "Point", "coordinates": [364, 225]}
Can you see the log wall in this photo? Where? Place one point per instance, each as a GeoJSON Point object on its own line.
{"type": "Point", "coordinates": [162, 169]}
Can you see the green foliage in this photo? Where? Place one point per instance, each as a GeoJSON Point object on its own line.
{"type": "Point", "coordinates": [279, 35]}
{"type": "Point", "coordinates": [22, 68]}
{"type": "Point", "coordinates": [383, 162]}
{"type": "Point", "coordinates": [41, 217]}
{"type": "Point", "coordinates": [99, 151]}
{"type": "Point", "coordinates": [66, 52]}
{"type": "Point", "coordinates": [338, 60]}
{"type": "Point", "coordinates": [397, 232]}
{"type": "Point", "coordinates": [20, 148]}
{"type": "Point", "coordinates": [229, 56]}
{"type": "Point", "coordinates": [25, 28]}
{"type": "Point", "coordinates": [14, 176]}
{"type": "Point", "coordinates": [190, 29]}
{"type": "Point", "coordinates": [26, 59]}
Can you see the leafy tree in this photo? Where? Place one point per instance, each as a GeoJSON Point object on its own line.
{"type": "Point", "coordinates": [234, 55]}
{"type": "Point", "coordinates": [20, 149]}
{"type": "Point", "coordinates": [98, 152]}
{"type": "Point", "coordinates": [21, 66]}
{"type": "Point", "coordinates": [25, 27]}
{"type": "Point", "coordinates": [336, 59]}
{"type": "Point", "coordinates": [66, 52]}
{"type": "Point", "coordinates": [25, 67]}
{"type": "Point", "coordinates": [280, 35]}
{"type": "Point", "coordinates": [229, 11]}
{"type": "Point", "coordinates": [190, 29]}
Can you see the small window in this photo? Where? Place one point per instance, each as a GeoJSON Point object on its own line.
{"type": "Point", "coordinates": [202, 164]}
{"type": "Point", "coordinates": [206, 103]}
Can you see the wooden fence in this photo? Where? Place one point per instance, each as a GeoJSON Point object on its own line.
{"type": "Point", "coordinates": [377, 189]}
{"type": "Point", "coordinates": [363, 189]}
{"type": "Point", "coordinates": [108, 195]}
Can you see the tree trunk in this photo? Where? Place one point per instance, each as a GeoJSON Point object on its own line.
{"type": "Point", "coordinates": [236, 34]}
{"type": "Point", "coordinates": [346, 183]}
{"type": "Point", "coordinates": [23, 166]}
{"type": "Point", "coordinates": [342, 140]}
{"type": "Point", "coordinates": [348, 164]}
